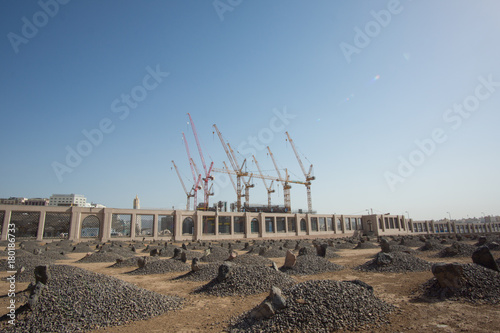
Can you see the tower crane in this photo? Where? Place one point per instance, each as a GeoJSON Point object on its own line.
{"type": "Point", "coordinates": [284, 182]}
{"type": "Point", "coordinates": [195, 173]}
{"type": "Point", "coordinates": [307, 175]}
{"type": "Point", "coordinates": [206, 189]}
{"type": "Point", "coordinates": [270, 188]}
{"type": "Point", "coordinates": [236, 168]}
{"type": "Point", "coordinates": [188, 194]}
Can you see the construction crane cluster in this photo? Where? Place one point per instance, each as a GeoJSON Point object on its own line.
{"type": "Point", "coordinates": [243, 177]}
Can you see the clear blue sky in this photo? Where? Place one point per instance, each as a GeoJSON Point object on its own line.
{"type": "Point", "coordinates": [359, 100]}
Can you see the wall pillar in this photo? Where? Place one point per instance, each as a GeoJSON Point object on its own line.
{"type": "Point", "coordinates": [106, 225]}
{"type": "Point", "coordinates": [132, 226]}
{"type": "Point", "coordinates": [5, 225]}
{"type": "Point", "coordinates": [41, 226]}
{"type": "Point", "coordinates": [177, 226]}
{"type": "Point", "coordinates": [76, 220]}
{"type": "Point", "coordinates": [198, 225]}
{"type": "Point", "coordinates": [154, 232]}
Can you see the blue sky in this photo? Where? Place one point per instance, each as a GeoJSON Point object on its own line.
{"type": "Point", "coordinates": [366, 117]}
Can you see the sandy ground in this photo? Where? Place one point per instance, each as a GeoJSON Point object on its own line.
{"type": "Point", "coordinates": [203, 313]}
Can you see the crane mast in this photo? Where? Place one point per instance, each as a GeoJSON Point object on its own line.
{"type": "Point", "coordinates": [188, 195]}
{"type": "Point", "coordinates": [194, 172]}
{"type": "Point", "coordinates": [237, 169]}
{"type": "Point", "coordinates": [270, 188]}
{"type": "Point", "coordinates": [286, 185]}
{"type": "Point", "coordinates": [307, 175]}
{"type": "Point", "coordinates": [208, 177]}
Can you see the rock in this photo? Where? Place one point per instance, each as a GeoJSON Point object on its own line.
{"type": "Point", "coordinates": [37, 251]}
{"type": "Point", "coordinates": [321, 249]}
{"type": "Point", "coordinates": [264, 311]}
{"type": "Point", "coordinates": [183, 256]}
{"type": "Point", "coordinates": [232, 256]}
{"type": "Point", "coordinates": [448, 275]}
{"type": "Point", "coordinates": [383, 259]}
{"type": "Point", "coordinates": [290, 259]}
{"type": "Point", "coordinates": [224, 271]}
{"type": "Point", "coordinates": [194, 265]}
{"type": "Point", "coordinates": [184, 247]}
{"type": "Point", "coordinates": [42, 274]}
{"type": "Point", "coordinates": [141, 262]}
{"type": "Point", "coordinates": [154, 253]}
{"type": "Point", "coordinates": [275, 267]}
{"type": "Point", "coordinates": [384, 245]}
{"type": "Point", "coordinates": [177, 253]}
{"type": "Point", "coordinates": [305, 251]}
{"type": "Point", "coordinates": [482, 256]}
{"type": "Point", "coordinates": [481, 241]}
{"type": "Point", "coordinates": [277, 299]}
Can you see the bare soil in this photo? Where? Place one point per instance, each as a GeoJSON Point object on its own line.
{"type": "Point", "coordinates": [202, 313]}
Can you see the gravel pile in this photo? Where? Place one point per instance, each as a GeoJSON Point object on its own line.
{"type": "Point", "coordinates": [457, 249]}
{"type": "Point", "coordinates": [395, 262]}
{"type": "Point", "coordinates": [161, 267]}
{"type": "Point", "coordinates": [82, 248]}
{"type": "Point", "coordinates": [311, 264]}
{"type": "Point", "coordinates": [130, 262]}
{"type": "Point", "coordinates": [345, 245]}
{"type": "Point", "coordinates": [482, 286]}
{"type": "Point", "coordinates": [101, 256]}
{"type": "Point", "coordinates": [251, 259]}
{"type": "Point", "coordinates": [411, 242]}
{"type": "Point", "coordinates": [76, 299]}
{"type": "Point", "coordinates": [321, 306]}
{"type": "Point", "coordinates": [207, 272]}
{"type": "Point", "coordinates": [401, 248]}
{"type": "Point", "coordinates": [366, 245]}
{"type": "Point", "coordinates": [246, 280]}
{"type": "Point", "coordinates": [432, 245]}
{"type": "Point", "coordinates": [29, 262]}
{"type": "Point", "coordinates": [53, 254]}
{"type": "Point", "coordinates": [274, 252]}
{"type": "Point", "coordinates": [217, 254]}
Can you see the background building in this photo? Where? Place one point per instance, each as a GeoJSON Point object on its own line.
{"type": "Point", "coordinates": [68, 200]}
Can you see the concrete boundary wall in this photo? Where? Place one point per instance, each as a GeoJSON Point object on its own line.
{"type": "Point", "coordinates": [180, 225]}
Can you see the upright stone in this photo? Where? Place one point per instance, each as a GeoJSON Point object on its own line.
{"type": "Point", "coordinates": [290, 259]}
{"type": "Point", "coordinates": [42, 274]}
{"type": "Point", "coordinates": [482, 256]}
{"type": "Point", "coordinates": [448, 275]}
{"type": "Point", "coordinates": [194, 265]}
{"type": "Point", "coordinates": [384, 245]}
{"type": "Point", "coordinates": [224, 271]}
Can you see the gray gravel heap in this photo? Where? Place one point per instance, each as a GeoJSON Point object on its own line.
{"type": "Point", "coordinates": [246, 280]}
{"type": "Point", "coordinates": [130, 262]}
{"type": "Point", "coordinates": [321, 306]}
{"type": "Point", "coordinates": [366, 245]}
{"type": "Point", "coordinates": [457, 249]}
{"type": "Point", "coordinates": [252, 259]}
{"type": "Point", "coordinates": [82, 248]}
{"type": "Point", "coordinates": [161, 267]}
{"type": "Point", "coordinates": [77, 299]}
{"type": "Point", "coordinates": [274, 252]}
{"type": "Point", "coordinates": [217, 254]}
{"type": "Point", "coordinates": [401, 248]}
{"type": "Point", "coordinates": [482, 286]}
{"type": "Point", "coordinates": [207, 272]}
{"type": "Point", "coordinates": [311, 264]}
{"type": "Point", "coordinates": [432, 245]}
{"type": "Point", "coordinates": [411, 242]}
{"type": "Point", "coordinates": [395, 262]}
{"type": "Point", "coordinates": [101, 256]}
{"type": "Point", "coordinates": [29, 262]}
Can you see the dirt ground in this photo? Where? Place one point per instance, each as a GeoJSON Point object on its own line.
{"type": "Point", "coordinates": [203, 313]}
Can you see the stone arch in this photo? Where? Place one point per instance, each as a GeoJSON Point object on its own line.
{"type": "Point", "coordinates": [303, 225]}
{"type": "Point", "coordinates": [91, 227]}
{"type": "Point", "coordinates": [187, 226]}
{"type": "Point", "coordinates": [254, 226]}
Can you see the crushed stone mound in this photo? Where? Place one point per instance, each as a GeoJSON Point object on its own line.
{"type": "Point", "coordinates": [366, 245]}
{"type": "Point", "coordinates": [29, 262]}
{"type": "Point", "coordinates": [274, 252]}
{"type": "Point", "coordinates": [251, 259]}
{"type": "Point", "coordinates": [321, 306]}
{"type": "Point", "coordinates": [217, 254]}
{"type": "Point", "coordinates": [457, 249]}
{"type": "Point", "coordinates": [246, 280]}
{"type": "Point", "coordinates": [76, 299]}
{"type": "Point", "coordinates": [432, 245]}
{"type": "Point", "coordinates": [395, 262]}
{"type": "Point", "coordinates": [311, 264]}
{"type": "Point", "coordinates": [130, 262]}
{"type": "Point", "coordinates": [207, 272]}
{"type": "Point", "coordinates": [401, 248]}
{"type": "Point", "coordinates": [482, 286]}
{"type": "Point", "coordinates": [161, 267]}
{"type": "Point", "coordinates": [101, 256]}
